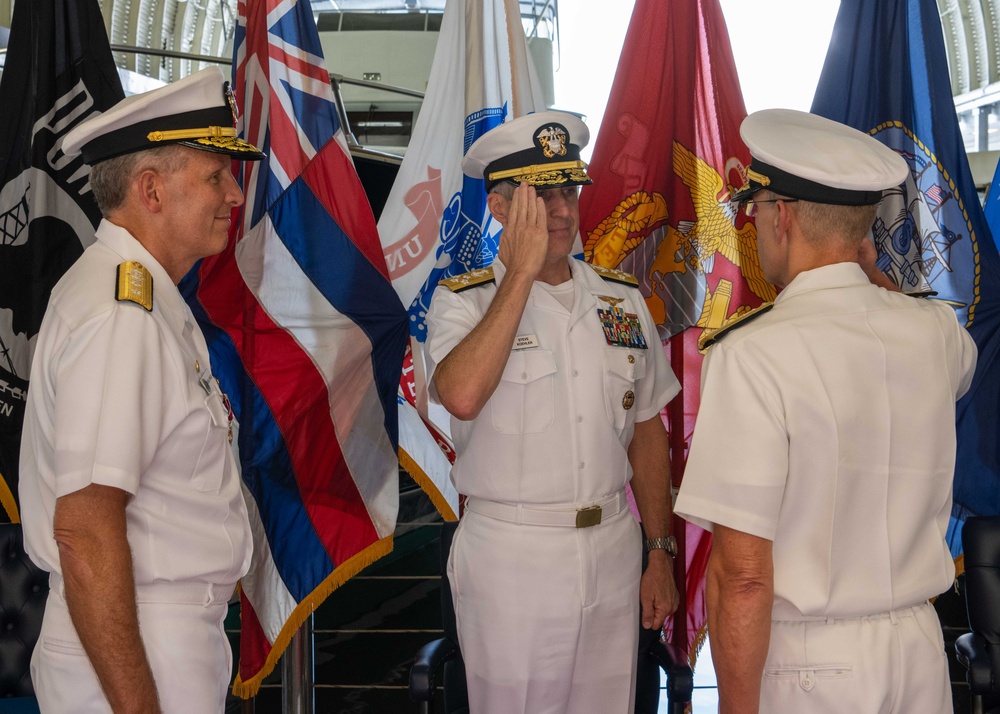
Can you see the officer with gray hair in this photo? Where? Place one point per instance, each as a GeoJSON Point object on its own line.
{"type": "Point", "coordinates": [554, 376]}
{"type": "Point", "coordinates": [130, 494]}
{"type": "Point", "coordinates": [824, 450]}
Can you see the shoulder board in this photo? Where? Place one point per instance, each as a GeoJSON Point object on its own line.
{"type": "Point", "coordinates": [922, 293]}
{"type": "Point", "coordinates": [134, 284]}
{"type": "Point", "coordinates": [615, 276]}
{"type": "Point", "coordinates": [468, 280]}
{"type": "Point", "coordinates": [710, 337]}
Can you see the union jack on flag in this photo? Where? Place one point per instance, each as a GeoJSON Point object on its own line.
{"type": "Point", "coordinates": [307, 337]}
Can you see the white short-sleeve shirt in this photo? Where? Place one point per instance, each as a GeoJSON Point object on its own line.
{"type": "Point", "coordinates": [558, 426]}
{"type": "Point", "coordinates": [123, 397]}
{"type": "Point", "coordinates": [827, 426]}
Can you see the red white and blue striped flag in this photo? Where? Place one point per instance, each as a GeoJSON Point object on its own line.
{"type": "Point", "coordinates": [307, 337]}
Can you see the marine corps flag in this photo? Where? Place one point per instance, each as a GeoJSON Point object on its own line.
{"type": "Point", "coordinates": [667, 160]}
{"type": "Point", "coordinates": [58, 72]}
{"type": "Point", "coordinates": [886, 73]}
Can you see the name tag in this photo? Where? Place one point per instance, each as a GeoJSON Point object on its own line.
{"type": "Point", "coordinates": [523, 342]}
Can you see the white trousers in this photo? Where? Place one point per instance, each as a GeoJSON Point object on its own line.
{"type": "Point", "coordinates": [185, 643]}
{"type": "Point", "coordinates": [547, 616]}
{"type": "Point", "coordinates": [893, 663]}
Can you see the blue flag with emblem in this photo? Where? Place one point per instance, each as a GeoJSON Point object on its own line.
{"type": "Point", "coordinates": [886, 73]}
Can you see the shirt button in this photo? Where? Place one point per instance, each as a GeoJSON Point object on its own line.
{"type": "Point", "coordinates": [631, 359]}
{"type": "Point", "coordinates": [579, 419]}
{"type": "Point", "coordinates": [582, 464]}
{"type": "Point", "coordinates": [576, 373]}
{"type": "Point", "coordinates": [524, 375]}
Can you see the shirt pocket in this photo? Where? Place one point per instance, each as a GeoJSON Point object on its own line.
{"type": "Point", "coordinates": [622, 371]}
{"type": "Point", "coordinates": [211, 465]}
{"type": "Point", "coordinates": [523, 402]}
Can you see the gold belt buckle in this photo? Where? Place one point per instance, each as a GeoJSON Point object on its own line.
{"type": "Point", "coordinates": [589, 516]}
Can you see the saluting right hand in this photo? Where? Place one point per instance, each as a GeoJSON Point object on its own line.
{"type": "Point", "coordinates": [525, 239]}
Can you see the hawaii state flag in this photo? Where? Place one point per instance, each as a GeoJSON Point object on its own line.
{"type": "Point", "coordinates": [435, 224]}
{"type": "Point", "coordinates": [886, 74]}
{"type": "Point", "coordinates": [58, 72]}
{"type": "Point", "coordinates": [307, 337]}
{"type": "Point", "coordinates": [667, 161]}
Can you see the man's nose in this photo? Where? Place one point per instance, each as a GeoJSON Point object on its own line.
{"type": "Point", "coordinates": [234, 195]}
{"type": "Point", "coordinates": [556, 203]}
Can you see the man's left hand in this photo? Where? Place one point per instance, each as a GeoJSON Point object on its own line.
{"type": "Point", "coordinates": [657, 591]}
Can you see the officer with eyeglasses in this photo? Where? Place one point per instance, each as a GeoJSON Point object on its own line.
{"type": "Point", "coordinates": [823, 455]}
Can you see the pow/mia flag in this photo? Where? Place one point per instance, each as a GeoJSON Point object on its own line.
{"type": "Point", "coordinates": [58, 72]}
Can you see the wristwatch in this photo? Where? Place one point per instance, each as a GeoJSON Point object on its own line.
{"type": "Point", "coordinates": [668, 544]}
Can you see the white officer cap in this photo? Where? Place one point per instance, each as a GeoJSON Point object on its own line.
{"type": "Point", "coordinates": [198, 111]}
{"type": "Point", "coordinates": [809, 157]}
{"type": "Point", "coordinates": [541, 149]}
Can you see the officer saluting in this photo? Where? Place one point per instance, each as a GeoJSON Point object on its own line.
{"type": "Point", "coordinates": [129, 492]}
{"type": "Point", "coordinates": [555, 377]}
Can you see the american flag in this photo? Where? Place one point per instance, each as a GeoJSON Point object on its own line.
{"type": "Point", "coordinates": [307, 337]}
{"type": "Point", "coordinates": [936, 195]}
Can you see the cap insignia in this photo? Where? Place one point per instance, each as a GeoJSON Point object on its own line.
{"type": "Point", "coordinates": [553, 140]}
{"type": "Point", "coordinates": [457, 284]}
{"type": "Point", "coordinates": [135, 284]}
{"type": "Point", "coordinates": [615, 276]}
{"type": "Point", "coordinates": [230, 95]}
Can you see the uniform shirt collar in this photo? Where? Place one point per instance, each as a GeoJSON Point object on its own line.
{"type": "Point", "coordinates": [827, 277]}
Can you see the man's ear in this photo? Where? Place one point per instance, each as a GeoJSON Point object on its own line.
{"type": "Point", "coordinates": [783, 219]}
{"type": "Point", "coordinates": [498, 205]}
{"type": "Point", "coordinates": [148, 186]}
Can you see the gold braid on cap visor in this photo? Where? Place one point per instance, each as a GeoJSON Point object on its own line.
{"type": "Point", "coordinates": [541, 169]}
{"type": "Point", "coordinates": [213, 132]}
{"type": "Point", "coordinates": [758, 178]}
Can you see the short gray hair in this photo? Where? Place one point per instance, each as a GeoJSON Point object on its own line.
{"type": "Point", "coordinates": [110, 179]}
{"type": "Point", "coordinates": [505, 189]}
{"type": "Point", "coordinates": [825, 223]}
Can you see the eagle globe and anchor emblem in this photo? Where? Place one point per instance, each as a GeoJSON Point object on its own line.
{"type": "Point", "coordinates": [922, 233]}
{"type": "Point", "coordinates": [676, 259]}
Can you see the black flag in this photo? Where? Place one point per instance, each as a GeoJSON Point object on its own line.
{"type": "Point", "coordinates": [59, 71]}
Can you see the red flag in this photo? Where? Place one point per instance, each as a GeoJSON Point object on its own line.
{"type": "Point", "coordinates": [667, 161]}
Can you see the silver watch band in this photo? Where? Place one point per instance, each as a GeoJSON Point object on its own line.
{"type": "Point", "coordinates": [668, 544]}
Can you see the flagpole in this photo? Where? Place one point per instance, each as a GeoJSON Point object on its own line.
{"type": "Point", "coordinates": [298, 695]}
{"type": "Point", "coordinates": [675, 426]}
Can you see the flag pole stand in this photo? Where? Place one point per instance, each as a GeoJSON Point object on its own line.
{"type": "Point", "coordinates": [297, 692]}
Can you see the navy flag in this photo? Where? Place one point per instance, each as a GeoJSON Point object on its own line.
{"type": "Point", "coordinates": [886, 73]}
{"type": "Point", "coordinates": [58, 72]}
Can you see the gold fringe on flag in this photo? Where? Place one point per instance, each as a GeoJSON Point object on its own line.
{"type": "Point", "coordinates": [418, 475]}
{"type": "Point", "coordinates": [347, 570]}
{"type": "Point", "coordinates": [8, 502]}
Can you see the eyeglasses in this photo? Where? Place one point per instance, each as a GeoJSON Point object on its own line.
{"type": "Point", "coordinates": [749, 206]}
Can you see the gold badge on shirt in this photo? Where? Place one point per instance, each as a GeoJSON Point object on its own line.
{"type": "Point", "coordinates": [621, 328]}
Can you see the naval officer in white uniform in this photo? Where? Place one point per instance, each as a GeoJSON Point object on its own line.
{"type": "Point", "coordinates": [555, 378]}
{"type": "Point", "coordinates": [129, 492]}
{"type": "Point", "coordinates": [824, 450]}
